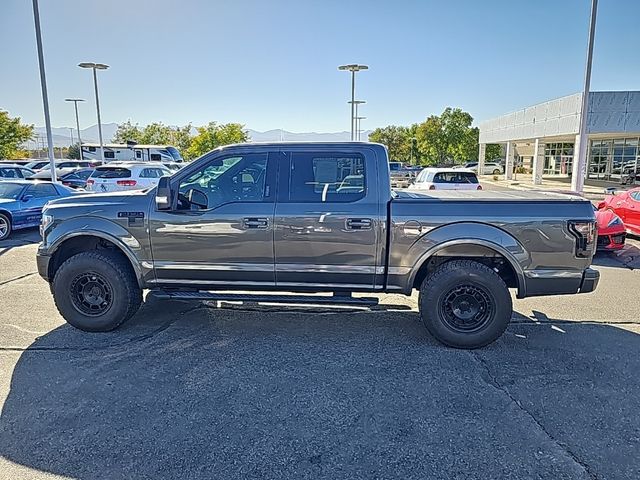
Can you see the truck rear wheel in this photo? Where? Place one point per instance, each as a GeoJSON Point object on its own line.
{"type": "Point", "coordinates": [465, 304]}
{"type": "Point", "coordinates": [96, 291]}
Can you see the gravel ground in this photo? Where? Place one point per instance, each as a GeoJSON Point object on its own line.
{"type": "Point", "coordinates": [188, 390]}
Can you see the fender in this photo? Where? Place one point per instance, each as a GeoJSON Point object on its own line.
{"type": "Point", "coordinates": [472, 233]}
{"type": "Point", "coordinates": [101, 228]}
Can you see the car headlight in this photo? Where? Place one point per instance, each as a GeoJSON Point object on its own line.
{"type": "Point", "coordinates": [616, 221]}
{"type": "Point", "coordinates": [47, 220]}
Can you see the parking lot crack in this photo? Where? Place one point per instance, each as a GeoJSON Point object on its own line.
{"type": "Point", "coordinates": [19, 277]}
{"type": "Point", "coordinates": [491, 379]}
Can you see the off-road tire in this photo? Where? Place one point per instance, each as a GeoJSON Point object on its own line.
{"type": "Point", "coordinates": [116, 276]}
{"type": "Point", "coordinates": [467, 280]}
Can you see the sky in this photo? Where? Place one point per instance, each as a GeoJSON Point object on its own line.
{"type": "Point", "coordinates": [272, 64]}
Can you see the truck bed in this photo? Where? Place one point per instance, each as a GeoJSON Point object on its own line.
{"type": "Point", "coordinates": [486, 196]}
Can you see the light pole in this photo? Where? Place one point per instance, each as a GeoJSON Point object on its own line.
{"type": "Point", "coordinates": [75, 103]}
{"type": "Point", "coordinates": [353, 68]}
{"type": "Point", "coordinates": [358, 121]}
{"type": "Point", "coordinates": [94, 67]}
{"type": "Point", "coordinates": [355, 116]}
{"type": "Point", "coordinates": [43, 84]}
{"type": "Point", "coordinates": [579, 166]}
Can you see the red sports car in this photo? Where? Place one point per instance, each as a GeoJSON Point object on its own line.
{"type": "Point", "coordinates": [627, 206]}
{"type": "Point", "coordinates": [611, 233]}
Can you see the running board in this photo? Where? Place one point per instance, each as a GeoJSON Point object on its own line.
{"type": "Point", "coordinates": [345, 299]}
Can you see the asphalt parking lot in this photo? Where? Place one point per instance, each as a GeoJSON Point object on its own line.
{"type": "Point", "coordinates": [190, 390]}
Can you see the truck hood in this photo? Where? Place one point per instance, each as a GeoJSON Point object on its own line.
{"type": "Point", "coordinates": [107, 204]}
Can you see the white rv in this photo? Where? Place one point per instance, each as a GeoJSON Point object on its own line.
{"type": "Point", "coordinates": [131, 152]}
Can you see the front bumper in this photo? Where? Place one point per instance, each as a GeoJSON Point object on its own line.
{"type": "Point", "coordinates": [590, 279]}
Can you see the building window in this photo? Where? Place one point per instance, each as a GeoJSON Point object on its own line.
{"type": "Point", "coordinates": [558, 159]}
{"type": "Point", "coordinates": [616, 160]}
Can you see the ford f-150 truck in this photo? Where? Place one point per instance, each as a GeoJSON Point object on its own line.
{"type": "Point", "coordinates": [314, 217]}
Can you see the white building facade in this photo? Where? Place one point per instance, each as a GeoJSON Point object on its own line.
{"type": "Point", "coordinates": [544, 137]}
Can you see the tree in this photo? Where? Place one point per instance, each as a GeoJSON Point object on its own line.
{"type": "Point", "coordinates": [127, 132]}
{"type": "Point", "coordinates": [493, 151]}
{"type": "Point", "coordinates": [448, 137]}
{"type": "Point", "coordinates": [156, 133]}
{"type": "Point", "coordinates": [213, 135]}
{"type": "Point", "coordinates": [182, 138]}
{"type": "Point", "coordinates": [13, 133]}
{"type": "Point", "coordinates": [74, 152]}
{"type": "Point", "coordinates": [396, 139]}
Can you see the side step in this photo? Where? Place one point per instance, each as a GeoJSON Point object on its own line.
{"type": "Point", "coordinates": [334, 299]}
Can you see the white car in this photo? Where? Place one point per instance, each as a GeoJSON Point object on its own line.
{"type": "Point", "coordinates": [446, 179]}
{"type": "Point", "coordinates": [118, 176]}
{"type": "Point", "coordinates": [490, 168]}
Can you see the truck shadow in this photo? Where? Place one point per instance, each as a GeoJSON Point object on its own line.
{"type": "Point", "coordinates": [20, 238]}
{"type": "Point", "coordinates": [196, 392]}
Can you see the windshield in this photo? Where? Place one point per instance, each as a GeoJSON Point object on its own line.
{"type": "Point", "coordinates": [173, 151]}
{"type": "Point", "coordinates": [455, 177]}
{"type": "Point", "coordinates": [112, 172]}
{"type": "Point", "coordinates": [10, 190]}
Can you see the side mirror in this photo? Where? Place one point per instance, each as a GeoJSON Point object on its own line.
{"type": "Point", "coordinates": [601, 205]}
{"type": "Point", "coordinates": [163, 194]}
{"type": "Point", "coordinates": [197, 198]}
{"type": "Point", "coordinates": [26, 198]}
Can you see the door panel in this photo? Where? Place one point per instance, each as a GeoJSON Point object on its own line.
{"type": "Point", "coordinates": [328, 222]}
{"type": "Point", "coordinates": [230, 242]}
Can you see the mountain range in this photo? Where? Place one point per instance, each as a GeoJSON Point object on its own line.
{"type": "Point", "coordinates": [62, 135]}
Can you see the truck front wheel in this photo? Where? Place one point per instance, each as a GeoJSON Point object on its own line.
{"type": "Point", "coordinates": [465, 304]}
{"type": "Point", "coordinates": [96, 291]}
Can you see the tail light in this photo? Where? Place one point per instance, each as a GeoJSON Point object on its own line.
{"type": "Point", "coordinates": [432, 187]}
{"type": "Point", "coordinates": [479, 187]}
{"type": "Point", "coordinates": [585, 235]}
{"type": "Point", "coordinates": [126, 183]}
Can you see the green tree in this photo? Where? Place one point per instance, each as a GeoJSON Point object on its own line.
{"type": "Point", "coordinates": [74, 152]}
{"type": "Point", "coordinates": [213, 136]}
{"type": "Point", "coordinates": [13, 133]}
{"type": "Point", "coordinates": [182, 138]}
{"type": "Point", "coordinates": [127, 132]}
{"type": "Point", "coordinates": [396, 139]}
{"type": "Point", "coordinates": [448, 137]}
{"type": "Point", "coordinates": [493, 151]}
{"type": "Point", "coordinates": [156, 133]}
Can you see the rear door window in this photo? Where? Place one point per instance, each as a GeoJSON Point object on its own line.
{"type": "Point", "coordinates": [320, 177]}
{"type": "Point", "coordinates": [455, 177]}
{"type": "Point", "coordinates": [112, 172]}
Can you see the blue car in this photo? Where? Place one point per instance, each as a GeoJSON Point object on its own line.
{"type": "Point", "coordinates": [21, 203]}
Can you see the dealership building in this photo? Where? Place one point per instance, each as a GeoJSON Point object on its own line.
{"type": "Point", "coordinates": [543, 138]}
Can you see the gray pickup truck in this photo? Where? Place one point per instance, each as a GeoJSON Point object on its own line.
{"type": "Point", "coordinates": [309, 218]}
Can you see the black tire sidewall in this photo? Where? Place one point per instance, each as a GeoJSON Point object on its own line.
{"type": "Point", "coordinates": [63, 280]}
{"type": "Point", "coordinates": [9, 229]}
{"type": "Point", "coordinates": [431, 297]}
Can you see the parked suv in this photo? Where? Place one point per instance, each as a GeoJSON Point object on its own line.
{"type": "Point", "coordinates": [118, 176]}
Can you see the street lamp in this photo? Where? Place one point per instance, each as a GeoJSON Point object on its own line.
{"type": "Point", "coordinates": [94, 67]}
{"type": "Point", "coordinates": [43, 85]}
{"type": "Point", "coordinates": [580, 163]}
{"type": "Point", "coordinates": [358, 130]}
{"type": "Point", "coordinates": [355, 117]}
{"type": "Point", "coordinates": [353, 68]}
{"type": "Point", "coordinates": [75, 103]}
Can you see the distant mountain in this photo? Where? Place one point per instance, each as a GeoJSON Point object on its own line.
{"type": "Point", "coordinates": [62, 135]}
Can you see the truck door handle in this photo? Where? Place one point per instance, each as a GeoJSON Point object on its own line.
{"type": "Point", "coordinates": [359, 223]}
{"type": "Point", "coordinates": [253, 222]}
